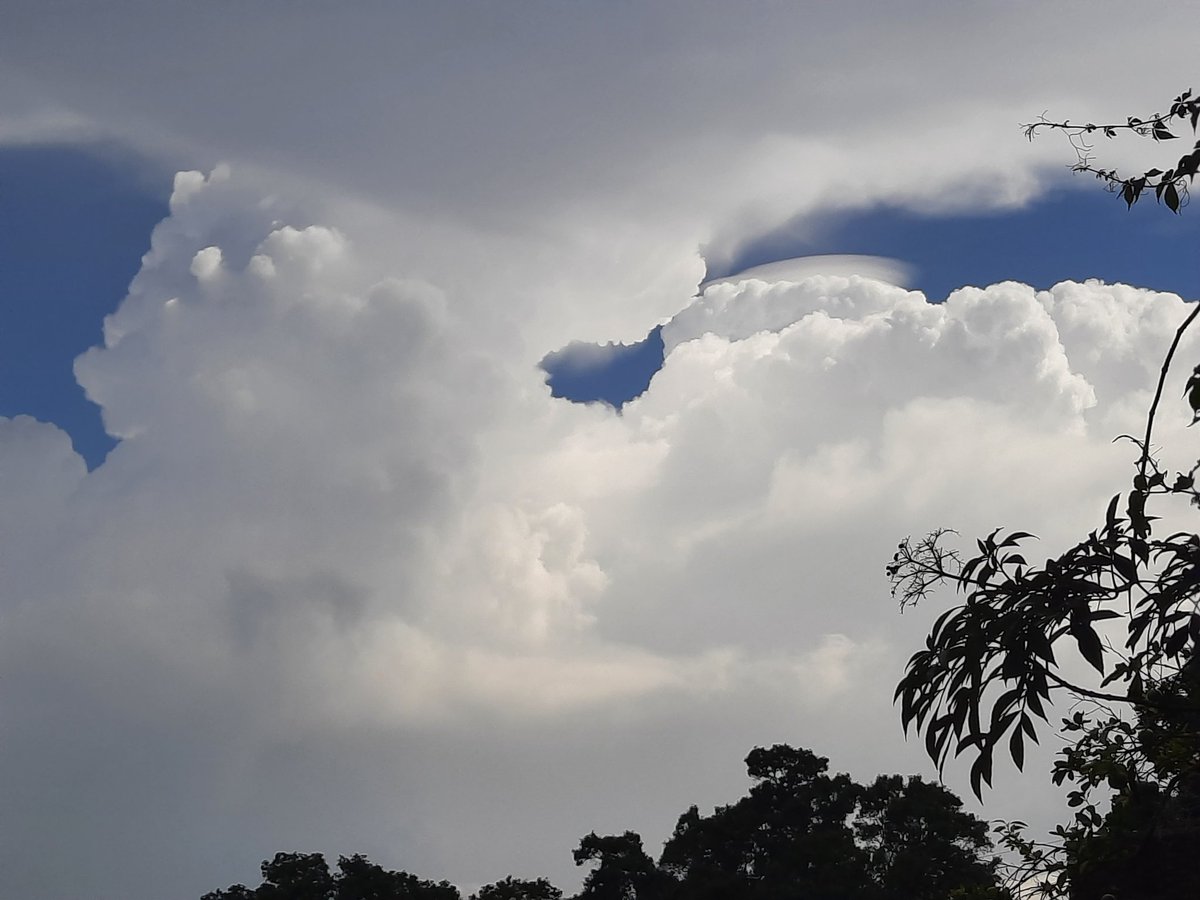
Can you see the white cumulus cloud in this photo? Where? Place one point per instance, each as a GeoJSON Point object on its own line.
{"type": "Point", "coordinates": [353, 581]}
{"type": "Point", "coordinates": [342, 521]}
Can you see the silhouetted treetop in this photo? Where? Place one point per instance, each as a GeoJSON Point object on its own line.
{"type": "Point", "coordinates": [518, 889]}
{"type": "Point", "coordinates": [799, 834]}
{"type": "Point", "coordinates": [306, 876]}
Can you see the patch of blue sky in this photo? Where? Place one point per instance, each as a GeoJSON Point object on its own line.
{"type": "Point", "coordinates": [604, 373]}
{"type": "Point", "coordinates": [1074, 233]}
{"type": "Point", "coordinates": [74, 223]}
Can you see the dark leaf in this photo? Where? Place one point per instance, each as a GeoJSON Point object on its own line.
{"type": "Point", "coordinates": [1089, 644]}
{"type": "Point", "coordinates": [1171, 198]}
{"type": "Point", "coordinates": [1035, 704]}
{"type": "Point", "coordinates": [1110, 516]}
{"type": "Point", "coordinates": [1126, 567]}
{"type": "Point", "coordinates": [981, 771]}
{"type": "Point", "coordinates": [1176, 642]}
{"type": "Point", "coordinates": [1016, 746]}
{"type": "Point", "coordinates": [1027, 727]}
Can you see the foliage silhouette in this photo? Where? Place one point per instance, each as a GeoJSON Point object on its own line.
{"type": "Point", "coordinates": [623, 869]}
{"type": "Point", "coordinates": [790, 836]}
{"type": "Point", "coordinates": [1170, 186]}
{"type": "Point", "coordinates": [897, 818]}
{"type": "Point", "coordinates": [306, 876]}
{"type": "Point", "coordinates": [799, 833]}
{"type": "Point", "coordinates": [518, 889]}
{"type": "Point", "coordinates": [1126, 600]}
{"type": "Point", "coordinates": [803, 833]}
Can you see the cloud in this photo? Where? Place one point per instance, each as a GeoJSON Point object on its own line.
{"type": "Point", "coordinates": [348, 536]}
{"type": "Point", "coordinates": [590, 120]}
{"type": "Point", "coordinates": [878, 268]}
{"type": "Point", "coordinates": [354, 581]}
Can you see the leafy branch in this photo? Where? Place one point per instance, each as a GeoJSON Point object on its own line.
{"type": "Point", "coordinates": [1170, 186]}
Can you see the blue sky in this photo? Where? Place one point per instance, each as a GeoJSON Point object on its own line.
{"type": "Point", "coordinates": [74, 223]}
{"type": "Point", "coordinates": [1073, 232]}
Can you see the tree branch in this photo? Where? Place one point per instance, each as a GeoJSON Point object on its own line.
{"type": "Point", "coordinates": [1144, 461]}
{"type": "Point", "coordinates": [1117, 698]}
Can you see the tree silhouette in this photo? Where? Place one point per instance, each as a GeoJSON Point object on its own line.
{"type": "Point", "coordinates": [306, 876]}
{"type": "Point", "coordinates": [789, 837]}
{"type": "Point", "coordinates": [1127, 600]}
{"type": "Point", "coordinates": [803, 833]}
{"type": "Point", "coordinates": [518, 889]}
{"type": "Point", "coordinates": [623, 870]}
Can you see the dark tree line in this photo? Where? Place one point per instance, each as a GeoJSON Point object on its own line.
{"type": "Point", "coordinates": [799, 834]}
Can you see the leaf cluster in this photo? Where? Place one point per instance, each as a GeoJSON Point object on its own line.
{"type": "Point", "coordinates": [1135, 796]}
{"type": "Point", "coordinates": [991, 665]}
{"type": "Point", "coordinates": [1171, 185]}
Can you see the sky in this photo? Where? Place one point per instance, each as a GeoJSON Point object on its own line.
{"type": "Point", "coordinates": [1067, 230]}
{"type": "Point", "coordinates": [301, 551]}
{"type": "Point", "coordinates": [58, 280]}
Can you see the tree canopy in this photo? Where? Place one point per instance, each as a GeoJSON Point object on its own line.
{"type": "Point", "coordinates": [804, 833]}
{"type": "Point", "coordinates": [799, 834]}
{"type": "Point", "coordinates": [306, 876]}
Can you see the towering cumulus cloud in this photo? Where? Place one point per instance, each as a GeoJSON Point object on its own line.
{"type": "Point", "coordinates": [354, 581]}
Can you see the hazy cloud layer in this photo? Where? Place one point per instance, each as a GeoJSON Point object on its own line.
{"type": "Point", "coordinates": [353, 581]}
